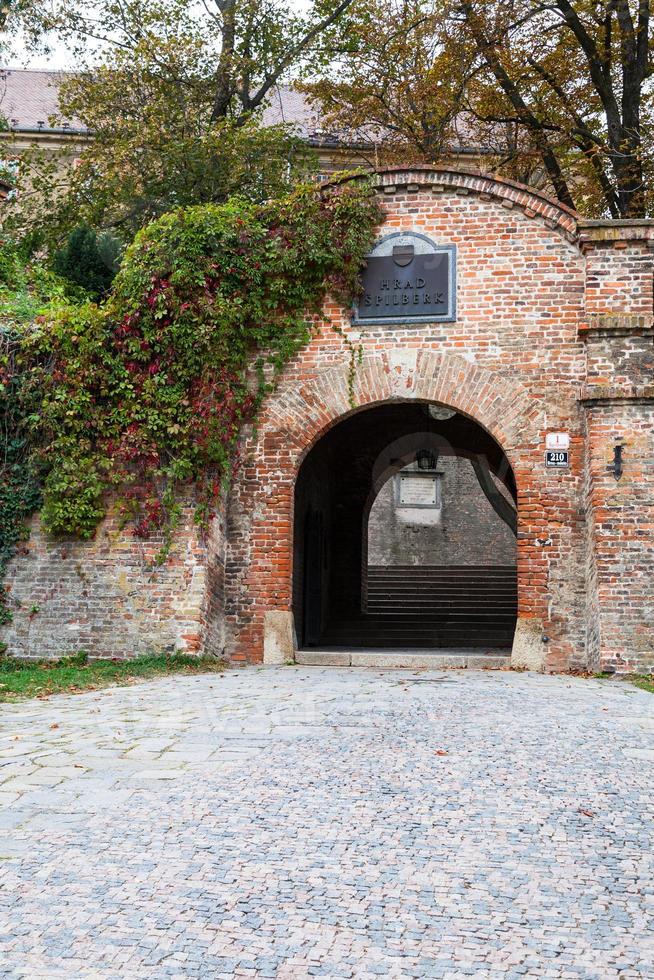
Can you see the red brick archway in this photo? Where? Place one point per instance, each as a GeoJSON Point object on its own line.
{"type": "Point", "coordinates": [260, 526]}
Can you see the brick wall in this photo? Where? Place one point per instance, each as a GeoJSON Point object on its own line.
{"type": "Point", "coordinates": [618, 397]}
{"type": "Point", "coordinates": [109, 596]}
{"type": "Point", "coordinates": [619, 277]}
{"type": "Point", "coordinates": [620, 549]}
{"type": "Point", "coordinates": [512, 361]}
{"type": "Point", "coordinates": [553, 332]}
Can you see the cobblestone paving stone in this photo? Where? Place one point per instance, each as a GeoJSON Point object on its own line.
{"type": "Point", "coordinates": [305, 822]}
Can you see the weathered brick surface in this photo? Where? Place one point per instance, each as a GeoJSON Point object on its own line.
{"type": "Point", "coordinates": [514, 360]}
{"type": "Point", "coordinates": [553, 332]}
{"type": "Point", "coordinates": [619, 278]}
{"type": "Point", "coordinates": [621, 536]}
{"type": "Point", "coordinates": [109, 596]}
{"type": "Point", "coordinates": [465, 530]}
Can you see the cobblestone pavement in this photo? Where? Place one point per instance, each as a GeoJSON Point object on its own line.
{"type": "Point", "coordinates": [300, 822]}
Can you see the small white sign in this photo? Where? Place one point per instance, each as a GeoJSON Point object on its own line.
{"type": "Point", "coordinates": [557, 440]}
{"type": "Point", "coordinates": [418, 491]}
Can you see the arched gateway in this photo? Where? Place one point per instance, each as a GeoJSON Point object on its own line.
{"type": "Point", "coordinates": [404, 538]}
{"type": "Point", "coordinates": [262, 546]}
{"type": "Point", "coordinates": [496, 328]}
{"type": "Point", "coordinates": [537, 300]}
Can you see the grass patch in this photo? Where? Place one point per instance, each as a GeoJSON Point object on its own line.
{"type": "Point", "coordinates": [644, 682]}
{"type": "Point", "coordinates": [39, 678]}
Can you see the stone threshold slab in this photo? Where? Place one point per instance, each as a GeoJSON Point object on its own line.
{"type": "Point", "coordinates": [461, 659]}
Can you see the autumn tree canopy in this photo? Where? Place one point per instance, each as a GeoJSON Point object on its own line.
{"type": "Point", "coordinates": [173, 93]}
{"type": "Point", "coordinates": [559, 93]}
{"type": "Point", "coordinates": [243, 48]}
{"type": "Point", "coordinates": [393, 82]}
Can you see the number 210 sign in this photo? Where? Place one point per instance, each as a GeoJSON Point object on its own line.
{"type": "Point", "coordinates": [557, 445]}
{"type": "Point", "coordinates": [557, 458]}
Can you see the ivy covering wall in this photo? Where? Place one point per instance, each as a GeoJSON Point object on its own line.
{"type": "Point", "coordinates": [144, 394]}
{"type": "Point", "coordinates": [27, 291]}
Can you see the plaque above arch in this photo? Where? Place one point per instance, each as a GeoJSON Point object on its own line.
{"type": "Point", "coordinates": [408, 278]}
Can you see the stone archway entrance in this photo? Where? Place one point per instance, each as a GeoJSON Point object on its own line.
{"type": "Point", "coordinates": [404, 534]}
{"type": "Point", "coordinates": [261, 527]}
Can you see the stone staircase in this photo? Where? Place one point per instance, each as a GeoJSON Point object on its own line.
{"type": "Point", "coordinates": [432, 607]}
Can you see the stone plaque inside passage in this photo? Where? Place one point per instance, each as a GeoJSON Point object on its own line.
{"type": "Point", "coordinates": [418, 491]}
{"type": "Point", "coordinates": [408, 277]}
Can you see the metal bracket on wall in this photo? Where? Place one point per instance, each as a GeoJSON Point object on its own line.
{"type": "Point", "coordinates": [617, 466]}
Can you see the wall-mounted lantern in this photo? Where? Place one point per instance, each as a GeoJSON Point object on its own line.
{"type": "Point", "coordinates": [426, 459]}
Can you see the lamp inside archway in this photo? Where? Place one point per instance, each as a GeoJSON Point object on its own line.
{"type": "Point", "coordinates": [426, 459]}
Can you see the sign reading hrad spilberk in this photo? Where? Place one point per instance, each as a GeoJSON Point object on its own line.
{"type": "Point", "coordinates": [408, 278]}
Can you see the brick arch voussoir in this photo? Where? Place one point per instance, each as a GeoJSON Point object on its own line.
{"type": "Point", "coordinates": [303, 414]}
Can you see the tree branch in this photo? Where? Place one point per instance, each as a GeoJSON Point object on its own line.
{"type": "Point", "coordinates": [526, 116]}
{"type": "Point", "coordinates": [294, 52]}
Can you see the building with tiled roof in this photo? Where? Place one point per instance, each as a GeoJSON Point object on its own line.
{"type": "Point", "coordinates": [29, 101]}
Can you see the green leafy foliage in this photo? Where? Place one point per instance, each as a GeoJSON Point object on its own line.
{"type": "Point", "coordinates": [148, 391]}
{"type": "Point", "coordinates": [27, 288]}
{"type": "Point", "coordinates": [86, 262]}
{"type": "Point", "coordinates": [182, 104]}
{"type": "Point", "coordinates": [134, 170]}
{"type": "Point", "coordinates": [19, 496]}
{"type": "Point", "coordinates": [26, 291]}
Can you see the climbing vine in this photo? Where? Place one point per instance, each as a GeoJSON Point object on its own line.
{"type": "Point", "coordinates": [26, 290]}
{"type": "Point", "coordinates": [19, 489]}
{"type": "Point", "coordinates": [147, 391]}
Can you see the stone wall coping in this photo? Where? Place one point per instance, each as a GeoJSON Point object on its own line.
{"type": "Point", "coordinates": [589, 394]}
{"type": "Point", "coordinates": [608, 231]}
{"type": "Point", "coordinates": [617, 323]}
{"type": "Point", "coordinates": [591, 223]}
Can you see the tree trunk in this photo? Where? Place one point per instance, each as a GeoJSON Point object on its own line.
{"type": "Point", "coordinates": [224, 92]}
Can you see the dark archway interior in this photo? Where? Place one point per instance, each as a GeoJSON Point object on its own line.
{"type": "Point", "coordinates": [340, 600]}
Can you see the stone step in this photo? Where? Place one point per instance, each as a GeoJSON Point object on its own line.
{"type": "Point", "coordinates": [473, 573]}
{"type": "Point", "coordinates": [443, 576]}
{"type": "Point", "coordinates": [404, 617]}
{"type": "Point", "coordinates": [413, 581]}
{"type": "Point", "coordinates": [455, 658]}
{"type": "Point", "coordinates": [429, 607]}
{"type": "Point", "coordinates": [426, 604]}
{"type": "Point", "coordinates": [453, 624]}
{"type": "Point", "coordinates": [376, 641]}
{"type": "Point", "coordinates": [441, 592]}
{"type": "Point", "coordinates": [466, 569]}
{"type": "Point", "coordinates": [434, 639]}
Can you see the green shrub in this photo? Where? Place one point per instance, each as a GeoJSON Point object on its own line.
{"type": "Point", "coordinates": [20, 493]}
{"type": "Point", "coordinates": [88, 260]}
